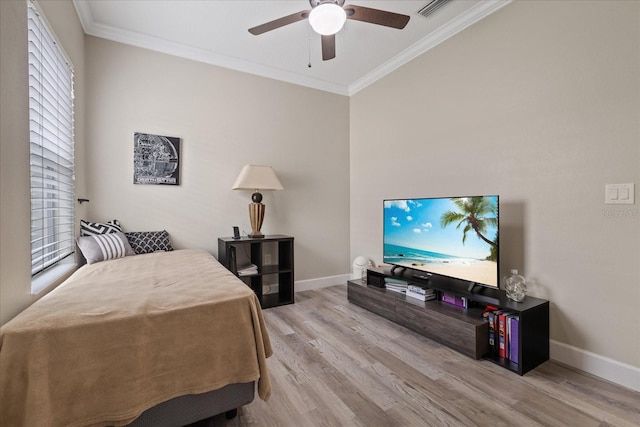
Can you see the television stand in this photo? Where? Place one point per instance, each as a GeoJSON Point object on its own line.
{"type": "Point", "coordinates": [462, 329]}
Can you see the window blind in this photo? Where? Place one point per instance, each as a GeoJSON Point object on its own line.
{"type": "Point", "coordinates": [51, 147]}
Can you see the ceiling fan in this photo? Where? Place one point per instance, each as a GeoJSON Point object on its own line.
{"type": "Point", "coordinates": [327, 18]}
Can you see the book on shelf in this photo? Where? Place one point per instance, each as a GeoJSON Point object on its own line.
{"type": "Point", "coordinates": [416, 295]}
{"type": "Point", "coordinates": [454, 299]}
{"type": "Point", "coordinates": [395, 285]}
{"type": "Point", "coordinates": [247, 270]}
{"type": "Point", "coordinates": [514, 336]}
{"type": "Point", "coordinates": [507, 333]}
{"type": "Point", "coordinates": [496, 332]}
{"type": "Point", "coordinates": [395, 281]}
{"type": "Point", "coordinates": [492, 331]}
{"type": "Point", "coordinates": [502, 335]}
{"type": "Point", "coordinates": [421, 293]}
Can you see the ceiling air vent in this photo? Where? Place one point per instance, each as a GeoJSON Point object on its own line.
{"type": "Point", "coordinates": [432, 6]}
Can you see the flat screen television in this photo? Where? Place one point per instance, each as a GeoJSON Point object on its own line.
{"type": "Point", "coordinates": [450, 236]}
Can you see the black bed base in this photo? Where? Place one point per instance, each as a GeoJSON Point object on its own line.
{"type": "Point", "coordinates": [188, 409]}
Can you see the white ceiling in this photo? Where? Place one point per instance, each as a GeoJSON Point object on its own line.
{"type": "Point", "coordinates": [215, 32]}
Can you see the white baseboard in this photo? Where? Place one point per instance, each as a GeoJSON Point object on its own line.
{"type": "Point", "coordinates": [609, 369]}
{"type": "Point", "coordinates": [321, 282]}
{"type": "Point", "coordinates": [595, 364]}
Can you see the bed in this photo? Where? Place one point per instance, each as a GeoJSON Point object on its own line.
{"type": "Point", "coordinates": [164, 338]}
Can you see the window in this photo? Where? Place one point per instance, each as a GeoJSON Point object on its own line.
{"type": "Point", "coordinates": [51, 154]}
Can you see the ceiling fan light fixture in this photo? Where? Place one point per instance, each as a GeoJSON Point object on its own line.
{"type": "Point", "coordinates": [327, 18]}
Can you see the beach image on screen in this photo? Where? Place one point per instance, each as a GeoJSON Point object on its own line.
{"type": "Point", "coordinates": [455, 237]}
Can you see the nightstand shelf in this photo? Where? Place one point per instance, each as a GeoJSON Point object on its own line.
{"type": "Point", "coordinates": [273, 255]}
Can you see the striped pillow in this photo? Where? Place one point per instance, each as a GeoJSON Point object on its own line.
{"type": "Point", "coordinates": [102, 247]}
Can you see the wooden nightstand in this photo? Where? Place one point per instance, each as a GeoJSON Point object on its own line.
{"type": "Point", "coordinates": [273, 255]}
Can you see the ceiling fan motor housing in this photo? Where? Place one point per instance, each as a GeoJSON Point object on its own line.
{"type": "Point", "coordinates": [327, 18]}
{"type": "Point", "coordinates": [315, 3]}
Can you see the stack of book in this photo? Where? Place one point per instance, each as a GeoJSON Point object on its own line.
{"type": "Point", "coordinates": [504, 331]}
{"type": "Point", "coordinates": [395, 285]}
{"type": "Point", "coordinates": [247, 270]}
{"type": "Point", "coordinates": [423, 294]}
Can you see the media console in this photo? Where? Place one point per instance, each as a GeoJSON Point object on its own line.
{"type": "Point", "coordinates": [462, 329]}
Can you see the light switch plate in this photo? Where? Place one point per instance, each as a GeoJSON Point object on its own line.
{"type": "Point", "coordinates": [623, 194]}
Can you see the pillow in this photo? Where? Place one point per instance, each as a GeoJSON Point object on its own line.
{"type": "Point", "coordinates": [92, 228]}
{"type": "Point", "coordinates": [145, 242]}
{"type": "Point", "coordinates": [102, 247]}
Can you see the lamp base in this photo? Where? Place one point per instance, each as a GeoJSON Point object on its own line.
{"type": "Point", "coordinates": [256, 216]}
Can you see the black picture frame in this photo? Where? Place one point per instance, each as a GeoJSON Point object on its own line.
{"type": "Point", "coordinates": [156, 159]}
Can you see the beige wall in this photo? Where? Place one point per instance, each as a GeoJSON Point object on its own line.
{"type": "Point", "coordinates": [540, 104]}
{"type": "Point", "coordinates": [225, 119]}
{"type": "Point", "coordinates": [15, 268]}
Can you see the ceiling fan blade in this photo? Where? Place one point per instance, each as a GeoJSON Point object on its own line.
{"type": "Point", "coordinates": [280, 22]}
{"type": "Point", "coordinates": [328, 47]}
{"type": "Point", "coordinates": [376, 16]}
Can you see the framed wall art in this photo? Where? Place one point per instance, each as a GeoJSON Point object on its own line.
{"type": "Point", "coordinates": [156, 159]}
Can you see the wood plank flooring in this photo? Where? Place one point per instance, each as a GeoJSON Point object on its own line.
{"type": "Point", "coordinates": [336, 364]}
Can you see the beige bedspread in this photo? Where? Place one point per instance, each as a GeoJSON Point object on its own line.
{"type": "Point", "coordinates": [121, 336]}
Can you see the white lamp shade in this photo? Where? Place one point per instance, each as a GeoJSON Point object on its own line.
{"type": "Point", "coordinates": [327, 18]}
{"type": "Point", "coordinates": [254, 177]}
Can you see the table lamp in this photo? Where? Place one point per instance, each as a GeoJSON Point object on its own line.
{"type": "Point", "coordinates": [257, 178]}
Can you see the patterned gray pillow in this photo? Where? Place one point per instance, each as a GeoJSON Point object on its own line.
{"type": "Point", "coordinates": [145, 242]}
{"type": "Point", "coordinates": [102, 247]}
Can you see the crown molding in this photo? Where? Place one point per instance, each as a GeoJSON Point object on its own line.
{"type": "Point", "coordinates": [471, 16]}
{"type": "Point", "coordinates": [201, 55]}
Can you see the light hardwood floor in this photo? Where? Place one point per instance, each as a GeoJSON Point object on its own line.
{"type": "Point", "coordinates": [336, 364]}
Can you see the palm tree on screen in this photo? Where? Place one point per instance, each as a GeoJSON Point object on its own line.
{"type": "Point", "coordinates": [476, 213]}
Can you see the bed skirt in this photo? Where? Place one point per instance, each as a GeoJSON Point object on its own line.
{"type": "Point", "coordinates": [188, 409]}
